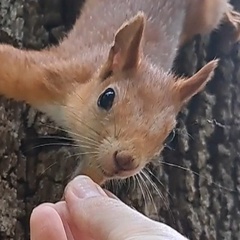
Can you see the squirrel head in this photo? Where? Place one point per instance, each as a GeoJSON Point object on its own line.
{"type": "Point", "coordinates": [128, 109]}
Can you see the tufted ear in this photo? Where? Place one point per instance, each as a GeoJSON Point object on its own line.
{"type": "Point", "coordinates": [126, 50]}
{"type": "Point", "coordinates": [186, 89]}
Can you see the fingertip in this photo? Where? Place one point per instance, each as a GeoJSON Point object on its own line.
{"type": "Point", "coordinates": [83, 187]}
{"type": "Point", "coordinates": [45, 223]}
{"type": "Point", "coordinates": [39, 213]}
{"type": "Point", "coordinates": [42, 205]}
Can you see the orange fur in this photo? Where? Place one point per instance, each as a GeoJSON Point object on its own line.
{"type": "Point", "coordinates": [38, 78]}
{"type": "Point", "coordinates": [130, 48]}
{"type": "Point", "coordinates": [203, 16]}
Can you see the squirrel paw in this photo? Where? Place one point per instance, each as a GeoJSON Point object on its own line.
{"type": "Point", "coordinates": [233, 18]}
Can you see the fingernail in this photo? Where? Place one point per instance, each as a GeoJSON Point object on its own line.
{"type": "Point", "coordinates": [84, 187]}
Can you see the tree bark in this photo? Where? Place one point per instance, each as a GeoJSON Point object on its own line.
{"type": "Point", "coordinates": [198, 175]}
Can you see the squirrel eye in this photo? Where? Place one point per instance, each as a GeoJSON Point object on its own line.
{"type": "Point", "coordinates": [169, 139]}
{"type": "Point", "coordinates": [106, 99]}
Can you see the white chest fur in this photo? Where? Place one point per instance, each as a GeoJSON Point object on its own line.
{"type": "Point", "coordinates": [55, 112]}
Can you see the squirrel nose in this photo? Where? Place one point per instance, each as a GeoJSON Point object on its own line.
{"type": "Point", "coordinates": [124, 162]}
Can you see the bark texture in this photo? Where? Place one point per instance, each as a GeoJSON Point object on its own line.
{"type": "Point", "coordinates": [198, 177]}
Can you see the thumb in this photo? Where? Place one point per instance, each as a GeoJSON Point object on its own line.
{"type": "Point", "coordinates": [101, 217]}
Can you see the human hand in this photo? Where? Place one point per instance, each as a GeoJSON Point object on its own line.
{"type": "Point", "coordinates": [89, 213]}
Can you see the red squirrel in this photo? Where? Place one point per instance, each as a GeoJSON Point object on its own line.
{"type": "Point", "coordinates": [109, 82]}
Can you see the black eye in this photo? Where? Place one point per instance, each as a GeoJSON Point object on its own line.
{"type": "Point", "coordinates": [106, 99]}
{"type": "Point", "coordinates": [170, 137]}
{"type": "Point", "coordinates": [168, 143]}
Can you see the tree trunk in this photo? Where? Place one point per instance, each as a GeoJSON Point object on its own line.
{"type": "Point", "coordinates": [198, 177]}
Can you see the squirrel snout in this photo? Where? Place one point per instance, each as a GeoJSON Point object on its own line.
{"type": "Point", "coordinates": [124, 161]}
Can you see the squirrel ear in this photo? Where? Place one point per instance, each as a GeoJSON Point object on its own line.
{"type": "Point", "coordinates": [126, 50]}
{"type": "Point", "coordinates": [185, 89]}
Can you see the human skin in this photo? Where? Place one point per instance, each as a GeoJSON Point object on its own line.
{"type": "Point", "coordinates": [88, 213]}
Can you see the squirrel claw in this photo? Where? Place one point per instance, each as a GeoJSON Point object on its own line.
{"type": "Point", "coordinates": [233, 18]}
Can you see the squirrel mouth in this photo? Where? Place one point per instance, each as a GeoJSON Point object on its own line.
{"type": "Point", "coordinates": [105, 173]}
{"type": "Point", "coordinates": [116, 174]}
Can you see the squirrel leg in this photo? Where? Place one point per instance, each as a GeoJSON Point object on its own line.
{"type": "Point", "coordinates": [38, 77]}
{"type": "Point", "coordinates": [205, 16]}
{"type": "Point", "coordinates": [233, 19]}
{"type": "Point", "coordinates": [25, 76]}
